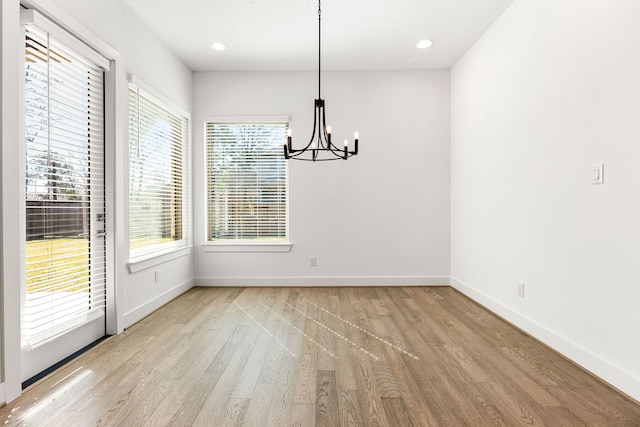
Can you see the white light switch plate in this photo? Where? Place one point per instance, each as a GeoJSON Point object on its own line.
{"type": "Point", "coordinates": [597, 173]}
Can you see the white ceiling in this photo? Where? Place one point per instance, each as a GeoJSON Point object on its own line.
{"type": "Point", "coordinates": [283, 34]}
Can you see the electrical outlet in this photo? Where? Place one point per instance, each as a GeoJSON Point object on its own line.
{"type": "Point", "coordinates": [521, 290]}
{"type": "Point", "coordinates": [313, 261]}
{"type": "Point", "coordinates": [157, 275]}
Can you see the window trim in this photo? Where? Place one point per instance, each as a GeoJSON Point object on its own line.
{"type": "Point", "coordinates": [178, 248]}
{"type": "Point", "coordinates": [244, 245]}
{"type": "Point", "coordinates": [157, 97]}
{"type": "Point", "coordinates": [33, 17]}
{"type": "Point", "coordinates": [157, 258]}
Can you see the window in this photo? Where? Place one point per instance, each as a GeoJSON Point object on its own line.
{"type": "Point", "coordinates": [64, 246]}
{"type": "Point", "coordinates": [247, 197]}
{"type": "Point", "coordinates": [158, 141]}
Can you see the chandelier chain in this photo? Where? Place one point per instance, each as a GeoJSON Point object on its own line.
{"type": "Point", "coordinates": [319, 44]}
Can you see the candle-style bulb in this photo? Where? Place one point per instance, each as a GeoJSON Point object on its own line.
{"type": "Point", "coordinates": [328, 129]}
{"type": "Point", "coordinates": [287, 141]}
{"type": "Point", "coordinates": [355, 143]}
{"type": "Point", "coordinates": [346, 143]}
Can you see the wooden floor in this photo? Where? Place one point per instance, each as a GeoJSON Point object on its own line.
{"type": "Point", "coordinates": [324, 357]}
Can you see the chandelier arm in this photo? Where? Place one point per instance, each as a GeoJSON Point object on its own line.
{"type": "Point", "coordinates": [296, 154]}
{"type": "Point", "coordinates": [322, 127]}
{"type": "Point", "coordinates": [331, 146]}
{"type": "Point", "coordinates": [337, 154]}
{"type": "Point", "coordinates": [319, 160]}
{"type": "Point", "coordinates": [315, 123]}
{"type": "Point", "coordinates": [335, 157]}
{"type": "Point", "coordinates": [327, 136]}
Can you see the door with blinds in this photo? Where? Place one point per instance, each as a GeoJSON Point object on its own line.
{"type": "Point", "coordinates": [64, 280]}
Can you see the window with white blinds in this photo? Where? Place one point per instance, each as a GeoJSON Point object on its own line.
{"type": "Point", "coordinates": [64, 244]}
{"type": "Point", "coordinates": [158, 142]}
{"type": "Point", "coordinates": [247, 182]}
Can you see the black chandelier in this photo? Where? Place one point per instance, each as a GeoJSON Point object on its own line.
{"type": "Point", "coordinates": [320, 147]}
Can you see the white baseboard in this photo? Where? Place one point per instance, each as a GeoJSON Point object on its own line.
{"type": "Point", "coordinates": [323, 281]}
{"type": "Point", "coordinates": [614, 375]}
{"type": "Point", "coordinates": [3, 394]}
{"type": "Point", "coordinates": [149, 307]}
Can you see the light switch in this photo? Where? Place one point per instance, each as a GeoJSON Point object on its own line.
{"type": "Point", "coordinates": [597, 173]}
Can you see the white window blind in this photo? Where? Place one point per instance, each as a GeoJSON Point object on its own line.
{"type": "Point", "coordinates": [247, 182]}
{"type": "Point", "coordinates": [158, 142]}
{"type": "Point", "coordinates": [64, 184]}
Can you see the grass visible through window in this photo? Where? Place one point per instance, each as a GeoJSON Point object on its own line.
{"type": "Point", "coordinates": [57, 265]}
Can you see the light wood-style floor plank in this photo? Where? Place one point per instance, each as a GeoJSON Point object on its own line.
{"type": "Point", "coordinates": [396, 413]}
{"type": "Point", "coordinates": [260, 357]}
{"type": "Point", "coordinates": [327, 414]}
{"type": "Point", "coordinates": [303, 415]}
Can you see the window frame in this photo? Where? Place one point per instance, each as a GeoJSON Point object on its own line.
{"type": "Point", "coordinates": [161, 253]}
{"type": "Point", "coordinates": [244, 245]}
{"type": "Point", "coordinates": [83, 163]}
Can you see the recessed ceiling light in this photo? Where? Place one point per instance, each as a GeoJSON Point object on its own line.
{"type": "Point", "coordinates": [423, 44]}
{"type": "Point", "coordinates": [217, 46]}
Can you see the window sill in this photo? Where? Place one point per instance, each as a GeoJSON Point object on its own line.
{"type": "Point", "coordinates": [247, 247]}
{"type": "Point", "coordinates": [151, 260]}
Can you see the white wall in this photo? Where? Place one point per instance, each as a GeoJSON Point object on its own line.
{"type": "Point", "coordinates": [140, 53]}
{"type": "Point", "coordinates": [552, 88]}
{"type": "Point", "coordinates": [381, 217]}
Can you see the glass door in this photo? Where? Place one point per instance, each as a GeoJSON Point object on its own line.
{"type": "Point", "coordinates": [64, 275]}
